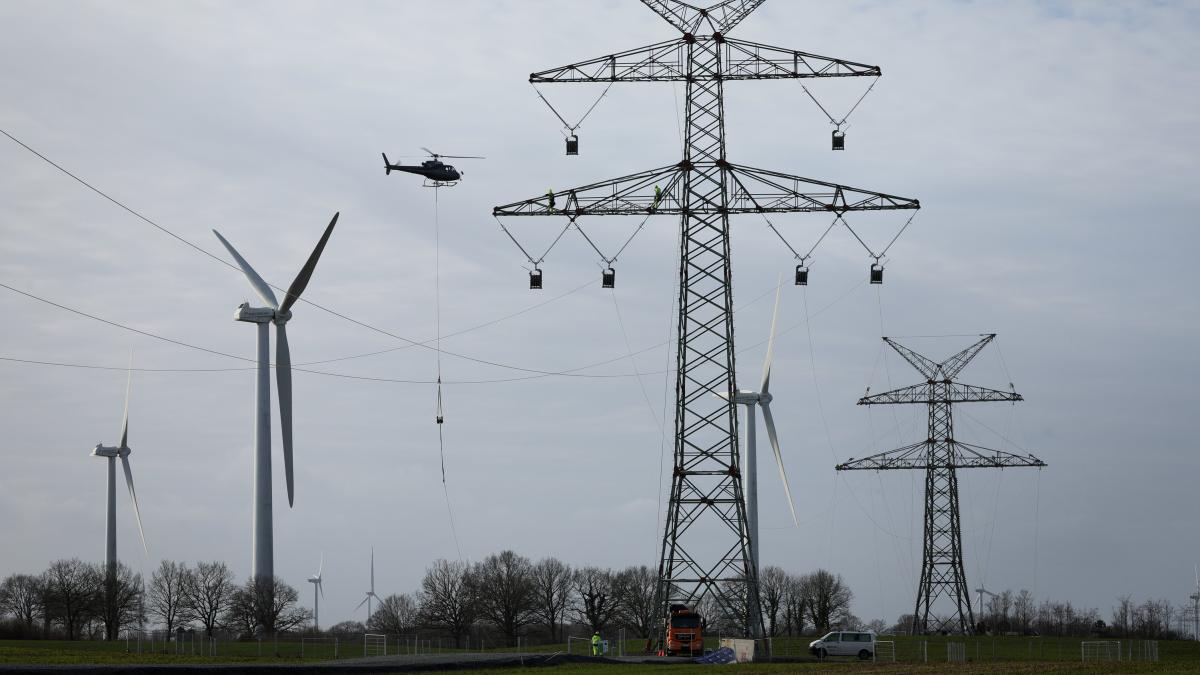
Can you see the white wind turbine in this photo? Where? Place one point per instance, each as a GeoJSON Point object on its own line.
{"type": "Point", "coordinates": [371, 593]}
{"type": "Point", "coordinates": [762, 398]}
{"type": "Point", "coordinates": [262, 559]}
{"type": "Point", "coordinates": [315, 580]}
{"type": "Point", "coordinates": [111, 454]}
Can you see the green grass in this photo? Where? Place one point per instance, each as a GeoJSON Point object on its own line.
{"type": "Point", "coordinates": [984, 654]}
{"type": "Point", "coordinates": [60, 652]}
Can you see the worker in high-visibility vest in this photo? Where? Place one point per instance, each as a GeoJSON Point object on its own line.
{"type": "Point", "coordinates": [596, 643]}
{"type": "Point", "coordinates": [657, 196]}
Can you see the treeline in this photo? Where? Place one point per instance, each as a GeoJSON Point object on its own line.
{"type": "Point", "coordinates": [74, 599]}
{"type": "Point", "coordinates": [1009, 613]}
{"type": "Point", "coordinates": [508, 596]}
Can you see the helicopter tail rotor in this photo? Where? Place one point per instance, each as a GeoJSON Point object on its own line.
{"type": "Point", "coordinates": [387, 166]}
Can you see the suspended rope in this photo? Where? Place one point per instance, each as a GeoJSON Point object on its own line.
{"type": "Point", "coordinates": [607, 260]}
{"type": "Point", "coordinates": [839, 134]}
{"type": "Point", "coordinates": [528, 257]}
{"type": "Point", "coordinates": [567, 125]}
{"type": "Point", "coordinates": [437, 301]}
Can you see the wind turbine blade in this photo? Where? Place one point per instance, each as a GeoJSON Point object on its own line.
{"type": "Point", "coordinates": [321, 589]}
{"type": "Point", "coordinates": [372, 570]}
{"type": "Point", "coordinates": [261, 287]}
{"type": "Point", "coordinates": [133, 495]}
{"type": "Point", "coordinates": [787, 490]}
{"type": "Point", "coordinates": [301, 280]}
{"type": "Point", "coordinates": [283, 380]}
{"type": "Point", "coordinates": [766, 378]}
{"type": "Point", "coordinates": [362, 603]}
{"type": "Point", "coordinates": [322, 567]}
{"type": "Point", "coordinates": [125, 418]}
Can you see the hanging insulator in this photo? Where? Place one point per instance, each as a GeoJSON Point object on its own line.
{"type": "Point", "coordinates": [439, 419]}
{"type": "Point", "coordinates": [876, 273]}
{"type": "Point", "coordinates": [572, 145]}
{"type": "Point", "coordinates": [801, 275]}
{"type": "Point", "coordinates": [839, 139]}
{"type": "Point", "coordinates": [535, 279]}
{"type": "Point", "coordinates": [608, 278]}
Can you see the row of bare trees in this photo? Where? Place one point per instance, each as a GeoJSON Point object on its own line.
{"type": "Point", "coordinates": [79, 599]}
{"type": "Point", "coordinates": [511, 594]}
{"type": "Point", "coordinates": [1020, 613]}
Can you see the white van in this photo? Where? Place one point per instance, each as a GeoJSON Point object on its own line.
{"type": "Point", "coordinates": [845, 643]}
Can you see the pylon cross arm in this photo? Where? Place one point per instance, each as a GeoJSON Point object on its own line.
{"type": "Point", "coordinates": [740, 60]}
{"type": "Point", "coordinates": [962, 456]}
{"type": "Point", "coordinates": [749, 191]}
{"type": "Point", "coordinates": [953, 393]}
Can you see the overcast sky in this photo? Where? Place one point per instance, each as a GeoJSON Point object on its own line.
{"type": "Point", "coordinates": [1054, 147]}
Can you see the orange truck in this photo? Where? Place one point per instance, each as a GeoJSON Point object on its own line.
{"type": "Point", "coordinates": [685, 632]}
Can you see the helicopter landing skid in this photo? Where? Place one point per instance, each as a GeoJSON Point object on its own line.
{"type": "Point", "coordinates": [440, 183]}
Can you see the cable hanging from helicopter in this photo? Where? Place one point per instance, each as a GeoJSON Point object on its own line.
{"type": "Point", "coordinates": [839, 134]}
{"type": "Point", "coordinates": [876, 270]}
{"type": "Point", "coordinates": [571, 137]}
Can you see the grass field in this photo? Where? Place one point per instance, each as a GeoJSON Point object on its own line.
{"type": "Point", "coordinates": [984, 655]}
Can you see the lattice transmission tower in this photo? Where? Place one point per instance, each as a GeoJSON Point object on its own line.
{"type": "Point", "coordinates": [940, 455]}
{"type": "Point", "coordinates": [706, 552]}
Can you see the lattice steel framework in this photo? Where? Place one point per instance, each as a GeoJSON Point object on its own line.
{"type": "Point", "coordinates": [940, 455]}
{"type": "Point", "coordinates": [706, 544]}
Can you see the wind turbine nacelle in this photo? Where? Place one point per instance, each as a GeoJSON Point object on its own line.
{"type": "Point", "coordinates": [103, 451]}
{"type": "Point", "coordinates": [254, 314]}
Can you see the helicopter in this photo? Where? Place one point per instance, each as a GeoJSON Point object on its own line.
{"type": "Point", "coordinates": [434, 170]}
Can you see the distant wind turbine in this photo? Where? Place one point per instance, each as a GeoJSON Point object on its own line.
{"type": "Point", "coordinates": [762, 398]}
{"type": "Point", "coordinates": [315, 580]}
{"type": "Point", "coordinates": [371, 593]}
{"type": "Point", "coordinates": [262, 559]}
{"type": "Point", "coordinates": [111, 454]}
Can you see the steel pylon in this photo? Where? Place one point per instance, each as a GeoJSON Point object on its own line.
{"type": "Point", "coordinates": [706, 547]}
{"type": "Point", "coordinates": [940, 455]}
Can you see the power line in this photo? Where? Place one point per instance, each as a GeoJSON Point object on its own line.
{"type": "Point", "coordinates": [181, 239]}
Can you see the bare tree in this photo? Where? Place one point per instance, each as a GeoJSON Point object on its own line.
{"type": "Point", "coordinates": [772, 587]}
{"type": "Point", "coordinates": [120, 599]}
{"type": "Point", "coordinates": [266, 606]}
{"type": "Point", "coordinates": [396, 614]}
{"type": "Point", "coordinates": [21, 596]}
{"type": "Point", "coordinates": [826, 597]}
{"type": "Point", "coordinates": [506, 598]}
{"type": "Point", "coordinates": [72, 594]}
{"type": "Point", "coordinates": [551, 593]}
{"type": "Point", "coordinates": [636, 589]}
{"type": "Point", "coordinates": [448, 599]}
{"type": "Point", "coordinates": [207, 592]}
{"type": "Point", "coordinates": [1023, 609]}
{"type": "Point", "coordinates": [596, 605]}
{"type": "Point", "coordinates": [352, 628]}
{"type": "Point", "coordinates": [1122, 615]}
{"type": "Point", "coordinates": [794, 607]}
{"type": "Point", "coordinates": [167, 596]}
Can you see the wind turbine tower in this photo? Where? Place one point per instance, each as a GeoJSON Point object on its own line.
{"type": "Point", "coordinates": [752, 400]}
{"type": "Point", "coordinates": [262, 558]}
{"type": "Point", "coordinates": [111, 454]}
{"type": "Point", "coordinates": [371, 593]}
{"type": "Point", "coordinates": [318, 588]}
